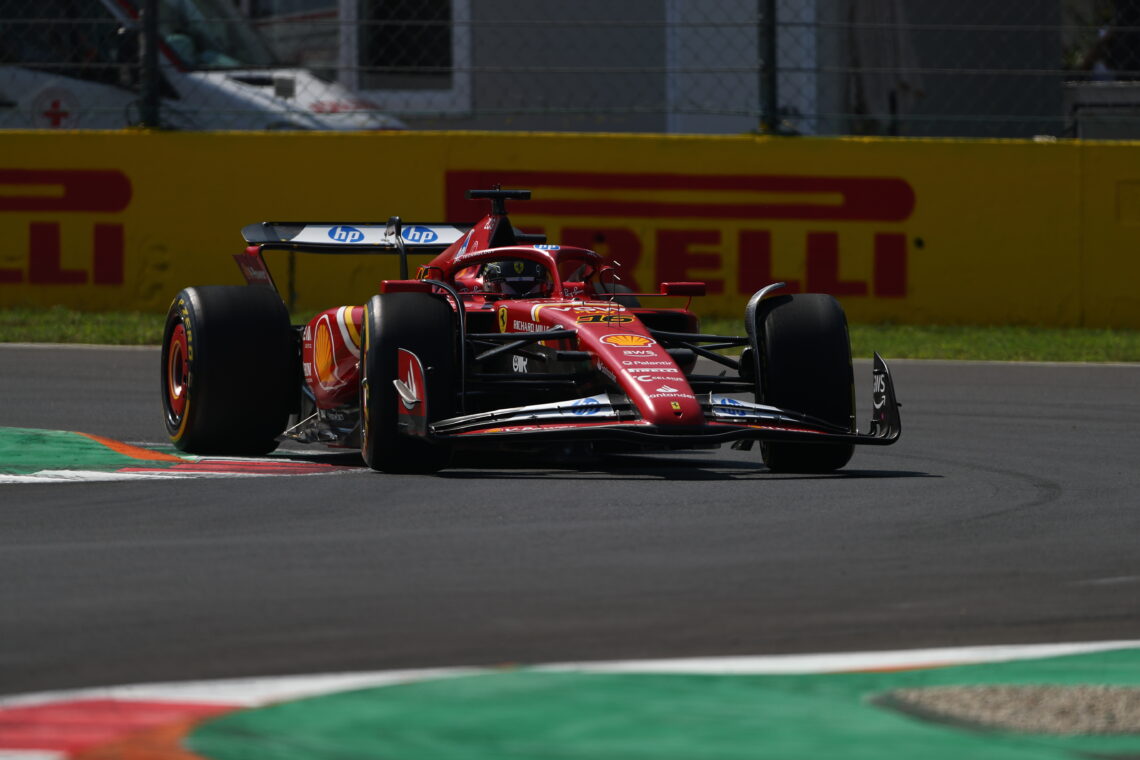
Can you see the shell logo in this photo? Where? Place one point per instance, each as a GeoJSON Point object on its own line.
{"type": "Point", "coordinates": [628, 340]}
{"type": "Point", "coordinates": [323, 354]}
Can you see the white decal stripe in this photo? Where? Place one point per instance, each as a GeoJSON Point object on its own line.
{"type": "Point", "coordinates": [345, 335]}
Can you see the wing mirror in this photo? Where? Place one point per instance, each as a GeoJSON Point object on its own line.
{"type": "Point", "coordinates": [683, 288]}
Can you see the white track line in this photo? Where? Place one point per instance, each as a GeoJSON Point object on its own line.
{"type": "Point", "coordinates": [96, 476]}
{"type": "Point", "coordinates": [847, 662]}
{"type": "Point", "coordinates": [252, 692]}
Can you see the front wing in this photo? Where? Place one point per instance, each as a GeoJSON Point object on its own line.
{"type": "Point", "coordinates": [611, 417]}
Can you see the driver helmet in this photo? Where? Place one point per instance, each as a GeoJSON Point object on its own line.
{"type": "Point", "coordinates": [516, 278]}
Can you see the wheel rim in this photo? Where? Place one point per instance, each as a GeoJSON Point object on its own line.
{"type": "Point", "coordinates": [177, 372]}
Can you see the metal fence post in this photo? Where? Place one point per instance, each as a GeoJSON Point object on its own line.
{"type": "Point", "coordinates": [149, 101]}
{"type": "Point", "coordinates": [769, 110]}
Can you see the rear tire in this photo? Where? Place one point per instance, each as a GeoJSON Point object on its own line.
{"type": "Point", "coordinates": [426, 326]}
{"type": "Point", "coordinates": [804, 365]}
{"type": "Point", "coordinates": [230, 370]}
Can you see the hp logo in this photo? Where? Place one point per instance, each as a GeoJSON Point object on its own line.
{"type": "Point", "coordinates": [418, 234]}
{"type": "Point", "coordinates": [346, 234]}
{"type": "Point", "coordinates": [586, 406]}
{"type": "Point", "coordinates": [740, 411]}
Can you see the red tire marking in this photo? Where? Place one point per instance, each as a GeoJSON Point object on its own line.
{"type": "Point", "coordinates": [178, 371]}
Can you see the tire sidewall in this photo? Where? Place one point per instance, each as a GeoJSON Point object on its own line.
{"type": "Point", "coordinates": [181, 314]}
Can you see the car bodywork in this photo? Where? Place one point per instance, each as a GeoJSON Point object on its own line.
{"type": "Point", "coordinates": [584, 362]}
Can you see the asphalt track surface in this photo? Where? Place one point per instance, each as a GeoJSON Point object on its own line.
{"type": "Point", "coordinates": [1008, 513]}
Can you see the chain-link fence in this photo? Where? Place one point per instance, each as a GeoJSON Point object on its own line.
{"type": "Point", "coordinates": [1016, 68]}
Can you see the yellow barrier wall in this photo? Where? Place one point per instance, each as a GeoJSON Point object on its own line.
{"type": "Point", "coordinates": [908, 231]}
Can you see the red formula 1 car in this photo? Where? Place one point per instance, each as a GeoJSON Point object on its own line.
{"type": "Point", "coordinates": [502, 340]}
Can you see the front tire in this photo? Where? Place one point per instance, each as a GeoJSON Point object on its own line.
{"type": "Point", "coordinates": [426, 326]}
{"type": "Point", "coordinates": [230, 370]}
{"type": "Point", "coordinates": [804, 365]}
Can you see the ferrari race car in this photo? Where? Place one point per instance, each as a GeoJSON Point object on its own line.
{"type": "Point", "coordinates": [502, 340]}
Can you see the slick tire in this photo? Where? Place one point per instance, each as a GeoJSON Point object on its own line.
{"type": "Point", "coordinates": [426, 326]}
{"type": "Point", "coordinates": [230, 370]}
{"type": "Point", "coordinates": [804, 365]}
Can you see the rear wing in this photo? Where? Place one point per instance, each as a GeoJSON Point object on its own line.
{"type": "Point", "coordinates": [368, 237]}
{"type": "Point", "coordinates": [332, 237]}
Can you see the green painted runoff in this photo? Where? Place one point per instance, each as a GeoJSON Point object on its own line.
{"type": "Point", "coordinates": [535, 714]}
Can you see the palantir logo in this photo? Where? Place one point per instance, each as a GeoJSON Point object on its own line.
{"type": "Point", "coordinates": [419, 234]}
{"type": "Point", "coordinates": [345, 234]}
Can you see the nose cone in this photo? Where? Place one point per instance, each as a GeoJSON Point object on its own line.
{"type": "Point", "coordinates": [664, 398]}
{"type": "Point", "coordinates": [646, 372]}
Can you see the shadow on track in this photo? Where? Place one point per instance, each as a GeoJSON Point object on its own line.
{"type": "Point", "coordinates": [675, 467]}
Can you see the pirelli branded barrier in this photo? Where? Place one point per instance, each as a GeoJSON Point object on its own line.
{"type": "Point", "coordinates": [906, 231]}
